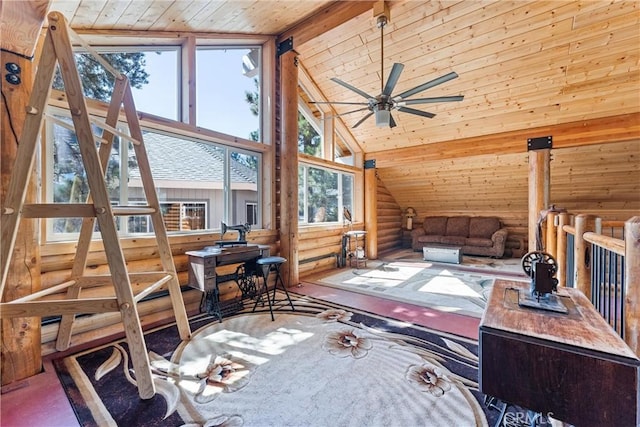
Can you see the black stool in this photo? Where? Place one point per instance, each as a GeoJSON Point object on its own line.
{"type": "Point", "coordinates": [266, 265]}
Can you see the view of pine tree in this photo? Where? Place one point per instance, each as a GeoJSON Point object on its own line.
{"type": "Point", "coordinates": [253, 99]}
{"type": "Point", "coordinates": [98, 82]}
{"type": "Point", "coordinates": [308, 137]}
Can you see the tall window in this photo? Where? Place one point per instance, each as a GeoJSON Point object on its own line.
{"type": "Point", "coordinates": [323, 194]}
{"type": "Point", "coordinates": [228, 85]}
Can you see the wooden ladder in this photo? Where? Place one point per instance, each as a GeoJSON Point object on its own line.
{"type": "Point", "coordinates": [58, 49]}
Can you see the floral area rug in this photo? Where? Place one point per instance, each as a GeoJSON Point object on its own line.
{"type": "Point", "coordinates": [322, 365]}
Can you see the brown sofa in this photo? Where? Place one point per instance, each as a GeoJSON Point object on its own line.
{"type": "Point", "coordinates": [475, 235]}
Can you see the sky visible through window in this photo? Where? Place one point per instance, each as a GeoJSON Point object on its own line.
{"type": "Point", "coordinates": [221, 87]}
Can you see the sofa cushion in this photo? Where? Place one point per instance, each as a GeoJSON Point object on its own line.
{"type": "Point", "coordinates": [478, 241]}
{"type": "Point", "coordinates": [453, 240]}
{"type": "Point", "coordinates": [429, 239]}
{"type": "Point", "coordinates": [458, 226]}
{"type": "Point", "coordinates": [483, 227]}
{"type": "Point", "coordinates": [435, 225]}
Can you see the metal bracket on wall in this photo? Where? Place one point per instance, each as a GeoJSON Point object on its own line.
{"type": "Point", "coordinates": [284, 46]}
{"type": "Point", "coordinates": [370, 164]}
{"type": "Point", "coordinates": [539, 143]}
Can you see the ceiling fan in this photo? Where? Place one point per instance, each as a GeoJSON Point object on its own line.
{"type": "Point", "coordinates": [383, 104]}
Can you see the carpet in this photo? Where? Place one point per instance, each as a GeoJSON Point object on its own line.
{"type": "Point", "coordinates": [322, 365]}
{"type": "Point", "coordinates": [454, 288]}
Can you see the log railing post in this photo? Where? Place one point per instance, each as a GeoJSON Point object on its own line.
{"type": "Point", "coordinates": [583, 254]}
{"type": "Point", "coordinates": [561, 248]}
{"type": "Point", "coordinates": [632, 284]}
{"type": "Point", "coordinates": [539, 178]}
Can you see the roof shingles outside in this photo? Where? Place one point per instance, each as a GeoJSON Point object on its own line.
{"type": "Point", "coordinates": [177, 159]}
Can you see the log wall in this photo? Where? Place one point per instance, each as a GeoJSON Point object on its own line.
{"type": "Point", "coordinates": [389, 220]}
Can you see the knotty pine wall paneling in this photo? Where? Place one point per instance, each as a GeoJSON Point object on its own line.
{"type": "Point", "coordinates": [485, 185]}
{"type": "Point", "coordinates": [601, 180]}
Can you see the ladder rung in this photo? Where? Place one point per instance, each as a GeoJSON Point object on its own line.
{"type": "Point", "coordinates": [44, 292]}
{"type": "Point", "coordinates": [78, 210]}
{"type": "Point", "coordinates": [50, 307]}
{"type": "Point", "coordinates": [133, 210]}
{"type": "Point", "coordinates": [153, 287]}
{"type": "Point", "coordinates": [59, 210]}
{"type": "Point", "coordinates": [113, 130]}
{"type": "Point", "coordinates": [99, 123]}
{"type": "Point", "coordinates": [107, 279]}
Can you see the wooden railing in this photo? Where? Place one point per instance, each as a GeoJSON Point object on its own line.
{"type": "Point", "coordinates": [602, 260]}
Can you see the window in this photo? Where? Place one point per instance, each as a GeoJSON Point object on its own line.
{"type": "Point", "coordinates": [309, 139]}
{"type": "Point", "coordinates": [178, 216]}
{"type": "Point", "coordinates": [252, 213]}
{"type": "Point", "coordinates": [199, 184]}
{"type": "Point", "coordinates": [342, 153]}
{"type": "Point", "coordinates": [323, 194]}
{"type": "Point", "coordinates": [153, 75]}
{"type": "Point", "coordinates": [228, 85]}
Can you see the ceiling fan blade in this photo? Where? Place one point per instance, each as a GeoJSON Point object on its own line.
{"type": "Point", "coordinates": [392, 123]}
{"type": "Point", "coordinates": [362, 120]}
{"type": "Point", "coordinates": [353, 88]}
{"type": "Point", "coordinates": [396, 70]}
{"type": "Point", "coordinates": [339, 102]}
{"type": "Point", "coordinates": [416, 112]}
{"type": "Point", "coordinates": [352, 111]}
{"type": "Point", "coordinates": [431, 100]}
{"type": "Point", "coordinates": [435, 82]}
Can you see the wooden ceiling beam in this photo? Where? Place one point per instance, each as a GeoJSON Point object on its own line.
{"type": "Point", "coordinates": [620, 128]}
{"type": "Point", "coordinates": [21, 22]}
{"type": "Point", "coordinates": [326, 19]}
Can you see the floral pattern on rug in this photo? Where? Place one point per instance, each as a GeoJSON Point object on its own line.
{"type": "Point", "coordinates": [316, 366]}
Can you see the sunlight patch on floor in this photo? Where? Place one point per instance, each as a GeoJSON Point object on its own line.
{"type": "Point", "coordinates": [446, 284]}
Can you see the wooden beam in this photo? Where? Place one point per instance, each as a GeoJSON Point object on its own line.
{"type": "Point", "coordinates": [621, 128]}
{"type": "Point", "coordinates": [21, 355]}
{"type": "Point", "coordinates": [326, 19]}
{"type": "Point", "coordinates": [21, 22]}
{"type": "Point", "coordinates": [289, 167]}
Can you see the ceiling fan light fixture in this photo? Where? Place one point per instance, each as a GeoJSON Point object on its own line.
{"type": "Point", "coordinates": [383, 118]}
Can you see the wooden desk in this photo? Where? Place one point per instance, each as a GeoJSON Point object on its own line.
{"type": "Point", "coordinates": [572, 366]}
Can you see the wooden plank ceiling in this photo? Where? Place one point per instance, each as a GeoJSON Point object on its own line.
{"type": "Point", "coordinates": [522, 64]}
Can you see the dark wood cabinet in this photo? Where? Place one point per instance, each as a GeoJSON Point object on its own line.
{"type": "Point", "coordinates": [571, 366]}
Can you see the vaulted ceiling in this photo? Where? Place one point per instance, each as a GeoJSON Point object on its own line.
{"type": "Point", "coordinates": [521, 64]}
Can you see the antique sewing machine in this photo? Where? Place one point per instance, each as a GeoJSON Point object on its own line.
{"type": "Point", "coordinates": [242, 230]}
{"type": "Point", "coordinates": [541, 267]}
